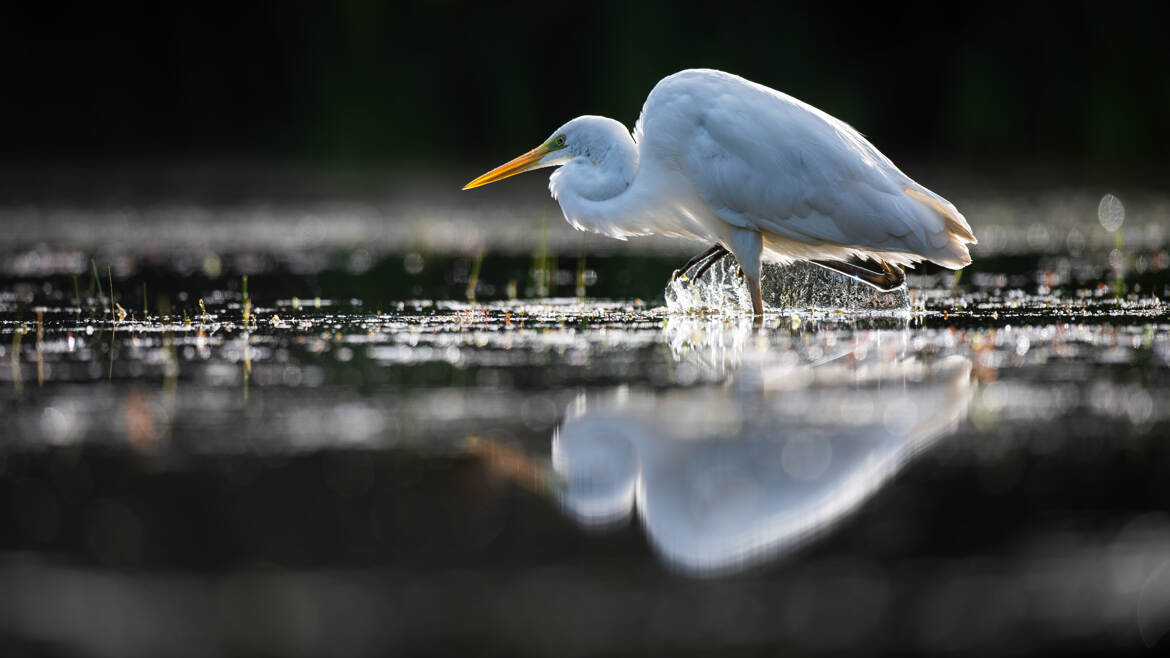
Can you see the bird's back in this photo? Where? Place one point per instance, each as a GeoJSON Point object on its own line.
{"type": "Point", "coordinates": [812, 185]}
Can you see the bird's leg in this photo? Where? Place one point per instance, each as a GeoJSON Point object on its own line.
{"type": "Point", "coordinates": [715, 258]}
{"type": "Point", "coordinates": [716, 248]}
{"type": "Point", "coordinates": [757, 296]}
{"type": "Point", "coordinates": [890, 278]}
{"type": "Point", "coordinates": [748, 247]}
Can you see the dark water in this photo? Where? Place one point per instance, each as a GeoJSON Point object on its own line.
{"type": "Point", "coordinates": [354, 459]}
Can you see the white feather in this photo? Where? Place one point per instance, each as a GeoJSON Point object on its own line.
{"type": "Point", "coordinates": [713, 152]}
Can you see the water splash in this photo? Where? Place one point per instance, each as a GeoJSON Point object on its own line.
{"type": "Point", "coordinates": [796, 287]}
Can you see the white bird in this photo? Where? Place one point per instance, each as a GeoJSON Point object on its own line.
{"type": "Point", "coordinates": [766, 177]}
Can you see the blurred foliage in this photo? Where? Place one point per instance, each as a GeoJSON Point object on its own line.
{"type": "Point", "coordinates": [429, 82]}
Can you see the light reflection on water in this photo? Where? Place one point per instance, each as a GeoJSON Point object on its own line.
{"type": "Point", "coordinates": [978, 464]}
{"type": "Point", "coordinates": [726, 477]}
{"type": "Point", "coordinates": [404, 376]}
{"type": "Point", "coordinates": [719, 444]}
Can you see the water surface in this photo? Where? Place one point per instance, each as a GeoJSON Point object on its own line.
{"type": "Point", "coordinates": [348, 454]}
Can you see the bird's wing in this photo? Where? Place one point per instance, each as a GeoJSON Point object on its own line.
{"type": "Point", "coordinates": [763, 160]}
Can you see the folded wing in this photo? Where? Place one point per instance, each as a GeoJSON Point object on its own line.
{"type": "Point", "coordinates": [762, 160]}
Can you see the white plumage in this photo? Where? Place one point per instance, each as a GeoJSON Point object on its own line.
{"type": "Point", "coordinates": [722, 159]}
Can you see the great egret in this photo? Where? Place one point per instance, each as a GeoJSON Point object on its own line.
{"type": "Point", "coordinates": [764, 176]}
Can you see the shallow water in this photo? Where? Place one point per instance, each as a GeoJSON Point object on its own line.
{"type": "Point", "coordinates": [354, 458]}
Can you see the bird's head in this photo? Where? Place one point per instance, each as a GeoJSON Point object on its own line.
{"type": "Point", "coordinates": [587, 136]}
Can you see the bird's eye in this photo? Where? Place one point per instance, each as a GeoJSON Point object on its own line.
{"type": "Point", "coordinates": [560, 140]}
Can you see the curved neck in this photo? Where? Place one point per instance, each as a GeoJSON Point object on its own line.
{"type": "Point", "coordinates": [602, 171]}
{"type": "Point", "coordinates": [591, 186]}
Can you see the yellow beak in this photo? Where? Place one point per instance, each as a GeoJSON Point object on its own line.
{"type": "Point", "coordinates": [512, 167]}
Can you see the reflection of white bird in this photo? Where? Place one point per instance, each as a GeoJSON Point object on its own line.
{"type": "Point", "coordinates": [716, 494]}
{"type": "Point", "coordinates": [718, 158]}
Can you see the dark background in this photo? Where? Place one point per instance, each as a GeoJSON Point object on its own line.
{"type": "Point", "coordinates": [438, 83]}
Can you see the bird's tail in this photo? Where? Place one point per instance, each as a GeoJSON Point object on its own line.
{"type": "Point", "coordinates": [953, 253]}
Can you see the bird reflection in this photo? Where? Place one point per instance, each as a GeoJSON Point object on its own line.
{"type": "Point", "coordinates": [725, 477]}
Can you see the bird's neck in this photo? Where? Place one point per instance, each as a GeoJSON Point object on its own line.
{"type": "Point", "coordinates": [594, 187]}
